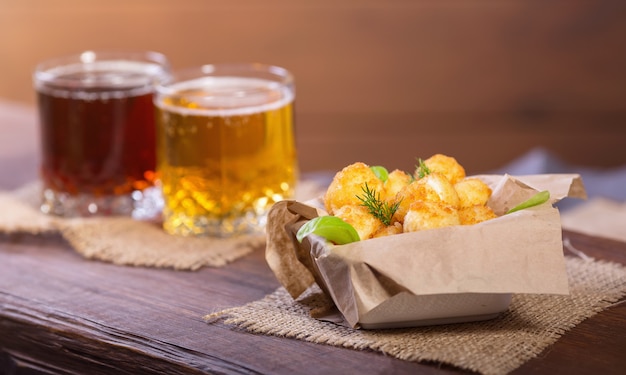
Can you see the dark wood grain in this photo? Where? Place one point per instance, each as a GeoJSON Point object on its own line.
{"type": "Point", "coordinates": [597, 345]}
{"type": "Point", "coordinates": [378, 81]}
{"type": "Point", "coordinates": [480, 141]}
{"type": "Point", "coordinates": [62, 314]}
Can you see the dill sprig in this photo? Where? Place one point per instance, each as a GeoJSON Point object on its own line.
{"type": "Point", "coordinates": [380, 209]}
{"type": "Point", "coordinates": [422, 169]}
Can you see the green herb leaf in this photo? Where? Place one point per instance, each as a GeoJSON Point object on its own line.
{"type": "Point", "coordinates": [377, 207]}
{"type": "Point", "coordinates": [422, 169]}
{"type": "Point", "coordinates": [380, 172]}
{"type": "Point", "coordinates": [535, 200]}
{"type": "Point", "coordinates": [331, 228]}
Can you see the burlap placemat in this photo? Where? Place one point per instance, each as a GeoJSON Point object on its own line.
{"type": "Point", "coordinates": [125, 241]}
{"type": "Point", "coordinates": [498, 346]}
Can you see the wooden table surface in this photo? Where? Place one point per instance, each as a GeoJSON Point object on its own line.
{"type": "Point", "coordinates": [62, 314]}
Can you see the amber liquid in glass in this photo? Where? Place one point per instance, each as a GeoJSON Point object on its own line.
{"type": "Point", "coordinates": [221, 170]}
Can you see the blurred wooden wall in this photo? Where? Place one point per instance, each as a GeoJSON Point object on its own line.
{"type": "Point", "coordinates": [382, 82]}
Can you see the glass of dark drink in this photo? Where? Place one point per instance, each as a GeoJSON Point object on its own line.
{"type": "Point", "coordinates": [97, 131]}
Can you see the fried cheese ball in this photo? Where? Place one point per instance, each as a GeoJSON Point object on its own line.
{"type": "Point", "coordinates": [434, 187]}
{"type": "Point", "coordinates": [396, 181]}
{"type": "Point", "coordinates": [446, 165]}
{"type": "Point", "coordinates": [475, 214]}
{"type": "Point", "coordinates": [472, 192]}
{"type": "Point", "coordinates": [347, 184]}
{"type": "Point", "coordinates": [429, 215]}
{"type": "Point", "coordinates": [365, 224]}
{"type": "Point", "coordinates": [389, 230]}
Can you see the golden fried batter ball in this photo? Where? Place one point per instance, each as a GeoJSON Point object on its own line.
{"type": "Point", "coordinates": [434, 187]}
{"type": "Point", "coordinates": [446, 165]}
{"type": "Point", "coordinates": [475, 214]}
{"type": "Point", "coordinates": [365, 224]}
{"type": "Point", "coordinates": [347, 184]}
{"type": "Point", "coordinates": [472, 192]}
{"type": "Point", "coordinates": [396, 181]}
{"type": "Point", "coordinates": [389, 230]}
{"type": "Point", "coordinates": [443, 197]}
{"type": "Point", "coordinates": [430, 215]}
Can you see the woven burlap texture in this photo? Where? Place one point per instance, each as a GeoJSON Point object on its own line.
{"type": "Point", "coordinates": [498, 346]}
{"type": "Point", "coordinates": [124, 241]}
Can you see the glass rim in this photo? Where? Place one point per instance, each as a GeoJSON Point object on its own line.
{"type": "Point", "coordinates": [225, 89]}
{"type": "Point", "coordinates": [44, 72]}
{"type": "Point", "coordinates": [279, 75]}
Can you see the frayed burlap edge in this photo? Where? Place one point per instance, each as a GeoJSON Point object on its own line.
{"type": "Point", "coordinates": [124, 241]}
{"type": "Point", "coordinates": [498, 346]}
{"type": "Point", "coordinates": [18, 216]}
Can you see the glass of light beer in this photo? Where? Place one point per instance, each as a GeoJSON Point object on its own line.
{"type": "Point", "coordinates": [225, 147]}
{"type": "Point", "coordinates": [98, 130]}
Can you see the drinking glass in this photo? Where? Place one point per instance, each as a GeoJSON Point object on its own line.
{"type": "Point", "coordinates": [97, 126]}
{"type": "Point", "coordinates": [225, 147]}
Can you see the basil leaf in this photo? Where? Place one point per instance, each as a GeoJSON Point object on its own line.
{"type": "Point", "coordinates": [331, 228]}
{"type": "Point", "coordinates": [535, 200]}
{"type": "Point", "coordinates": [380, 172]}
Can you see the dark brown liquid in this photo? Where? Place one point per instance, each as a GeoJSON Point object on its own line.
{"type": "Point", "coordinates": [97, 144]}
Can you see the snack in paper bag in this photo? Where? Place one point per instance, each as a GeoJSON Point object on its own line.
{"type": "Point", "coordinates": [430, 250]}
{"type": "Point", "coordinates": [377, 203]}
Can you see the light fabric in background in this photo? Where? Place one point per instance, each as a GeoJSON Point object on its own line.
{"type": "Point", "coordinates": [602, 214]}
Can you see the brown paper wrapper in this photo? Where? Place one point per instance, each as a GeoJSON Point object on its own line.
{"type": "Point", "coordinates": [445, 275]}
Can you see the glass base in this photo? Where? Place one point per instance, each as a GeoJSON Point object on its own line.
{"type": "Point", "coordinates": [202, 226]}
{"type": "Point", "coordinates": [141, 205]}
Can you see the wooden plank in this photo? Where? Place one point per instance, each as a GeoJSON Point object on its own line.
{"type": "Point", "coordinates": [569, 354]}
{"type": "Point", "coordinates": [418, 76]}
{"type": "Point", "coordinates": [352, 55]}
{"type": "Point", "coordinates": [60, 311]}
{"type": "Point", "coordinates": [480, 142]}
{"type": "Point", "coordinates": [65, 314]}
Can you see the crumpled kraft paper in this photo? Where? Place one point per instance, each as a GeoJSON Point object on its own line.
{"type": "Point", "coordinates": [519, 252]}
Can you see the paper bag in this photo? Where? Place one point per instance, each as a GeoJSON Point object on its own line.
{"type": "Point", "coordinates": [445, 275]}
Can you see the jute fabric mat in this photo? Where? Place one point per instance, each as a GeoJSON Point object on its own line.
{"type": "Point", "coordinates": [498, 346]}
{"type": "Point", "coordinates": [124, 241]}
